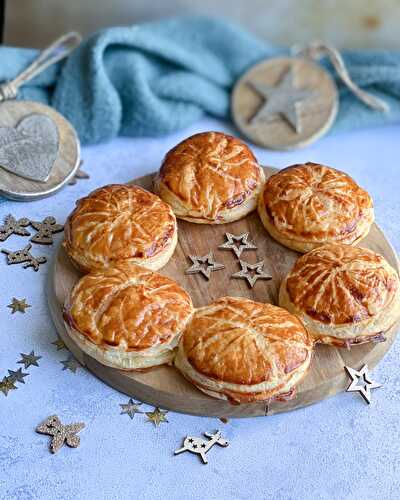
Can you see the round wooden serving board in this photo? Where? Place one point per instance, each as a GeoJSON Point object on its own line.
{"type": "Point", "coordinates": [164, 386]}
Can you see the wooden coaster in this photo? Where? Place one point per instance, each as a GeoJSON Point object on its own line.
{"type": "Point", "coordinates": [164, 386]}
{"type": "Point", "coordinates": [284, 103]}
{"type": "Point", "coordinates": [22, 137]}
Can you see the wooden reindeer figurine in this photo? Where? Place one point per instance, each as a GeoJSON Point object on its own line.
{"type": "Point", "coordinates": [201, 447]}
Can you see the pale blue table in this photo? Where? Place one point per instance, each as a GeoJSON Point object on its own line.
{"type": "Point", "coordinates": [337, 449]}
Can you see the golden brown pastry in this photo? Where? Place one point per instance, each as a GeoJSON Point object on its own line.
{"type": "Point", "coordinates": [210, 178]}
{"type": "Point", "coordinates": [120, 223]}
{"type": "Point", "coordinates": [244, 351]}
{"type": "Point", "coordinates": [306, 206]}
{"type": "Point", "coordinates": [344, 295]}
{"type": "Point", "coordinates": [127, 317]}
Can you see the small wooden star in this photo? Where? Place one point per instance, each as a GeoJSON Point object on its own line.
{"type": "Point", "coordinates": [80, 174]}
{"type": "Point", "coordinates": [70, 364]}
{"type": "Point", "coordinates": [361, 382]}
{"type": "Point", "coordinates": [59, 344]}
{"type": "Point", "coordinates": [131, 408]}
{"type": "Point", "coordinates": [282, 100]}
{"type": "Point", "coordinates": [60, 433]}
{"type": "Point", "coordinates": [14, 226]}
{"type": "Point", "coordinates": [45, 230]}
{"type": "Point", "coordinates": [18, 376]}
{"type": "Point", "coordinates": [7, 385]}
{"type": "Point", "coordinates": [29, 360]}
{"type": "Point", "coordinates": [156, 416]}
{"type": "Point", "coordinates": [247, 272]}
{"type": "Point", "coordinates": [24, 255]}
{"type": "Point", "coordinates": [231, 243]}
{"type": "Point", "coordinates": [18, 305]}
{"type": "Point", "coordinates": [204, 265]}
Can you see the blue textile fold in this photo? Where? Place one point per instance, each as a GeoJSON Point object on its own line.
{"type": "Point", "coordinates": [159, 77]}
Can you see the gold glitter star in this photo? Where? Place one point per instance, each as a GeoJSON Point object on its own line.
{"type": "Point", "coordinates": [156, 416]}
{"type": "Point", "coordinates": [204, 265]}
{"type": "Point", "coordinates": [7, 385]}
{"type": "Point", "coordinates": [18, 305]}
{"type": "Point", "coordinates": [242, 239]}
{"type": "Point", "coordinates": [29, 360]}
{"type": "Point", "coordinates": [361, 382]}
{"type": "Point", "coordinates": [70, 364]}
{"type": "Point", "coordinates": [247, 272]}
{"type": "Point", "coordinates": [18, 376]}
{"type": "Point", "coordinates": [130, 408]}
{"type": "Point", "coordinates": [59, 344]}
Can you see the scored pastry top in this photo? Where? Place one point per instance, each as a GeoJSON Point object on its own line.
{"type": "Point", "coordinates": [315, 203]}
{"type": "Point", "coordinates": [118, 222]}
{"type": "Point", "coordinates": [128, 307]}
{"type": "Point", "coordinates": [339, 284]}
{"type": "Point", "coordinates": [208, 174]}
{"type": "Point", "coordinates": [238, 341]}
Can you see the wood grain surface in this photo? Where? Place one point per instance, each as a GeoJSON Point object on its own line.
{"type": "Point", "coordinates": [164, 386]}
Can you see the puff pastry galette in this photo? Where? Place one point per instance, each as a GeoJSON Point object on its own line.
{"type": "Point", "coordinates": [244, 351]}
{"type": "Point", "coordinates": [210, 178]}
{"type": "Point", "coordinates": [306, 206]}
{"type": "Point", "coordinates": [127, 317]}
{"type": "Point", "coordinates": [344, 295]}
{"type": "Point", "coordinates": [120, 223]}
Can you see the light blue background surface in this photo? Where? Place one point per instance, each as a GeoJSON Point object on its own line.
{"type": "Point", "coordinates": [337, 449]}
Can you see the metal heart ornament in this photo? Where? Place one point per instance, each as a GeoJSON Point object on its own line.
{"type": "Point", "coordinates": [31, 148]}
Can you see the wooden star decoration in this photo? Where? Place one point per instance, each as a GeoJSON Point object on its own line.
{"type": "Point", "coordinates": [45, 230]}
{"type": "Point", "coordinates": [204, 265]}
{"type": "Point", "coordinates": [17, 376]}
{"type": "Point", "coordinates": [282, 99]}
{"type": "Point", "coordinates": [252, 272]}
{"type": "Point", "coordinates": [361, 382]}
{"type": "Point", "coordinates": [130, 408]}
{"type": "Point", "coordinates": [29, 360]}
{"type": "Point", "coordinates": [156, 416]}
{"type": "Point", "coordinates": [80, 174]}
{"type": "Point", "coordinates": [59, 344]}
{"type": "Point", "coordinates": [7, 385]}
{"type": "Point", "coordinates": [18, 305]}
{"type": "Point", "coordinates": [70, 364]}
{"type": "Point", "coordinates": [14, 226]}
{"type": "Point", "coordinates": [242, 239]}
{"type": "Point", "coordinates": [24, 255]}
{"type": "Point", "coordinates": [61, 434]}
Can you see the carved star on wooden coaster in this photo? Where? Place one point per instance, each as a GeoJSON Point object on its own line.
{"type": "Point", "coordinates": [7, 385]}
{"type": "Point", "coordinates": [61, 434]}
{"type": "Point", "coordinates": [13, 226]}
{"type": "Point", "coordinates": [29, 360]}
{"type": "Point", "coordinates": [130, 408]}
{"type": "Point", "coordinates": [242, 239]}
{"type": "Point", "coordinates": [45, 230]}
{"type": "Point", "coordinates": [156, 416]}
{"type": "Point", "coordinates": [204, 265]}
{"type": "Point", "coordinates": [361, 382]}
{"type": "Point", "coordinates": [70, 364]}
{"type": "Point", "coordinates": [283, 99]}
{"type": "Point", "coordinates": [247, 272]}
{"type": "Point", "coordinates": [18, 305]}
{"type": "Point", "coordinates": [24, 255]}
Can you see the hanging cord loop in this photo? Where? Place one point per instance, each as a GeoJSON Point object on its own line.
{"type": "Point", "coordinates": [57, 51]}
{"type": "Point", "coordinates": [316, 50]}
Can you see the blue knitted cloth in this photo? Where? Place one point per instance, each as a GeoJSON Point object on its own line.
{"type": "Point", "coordinates": [155, 78]}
